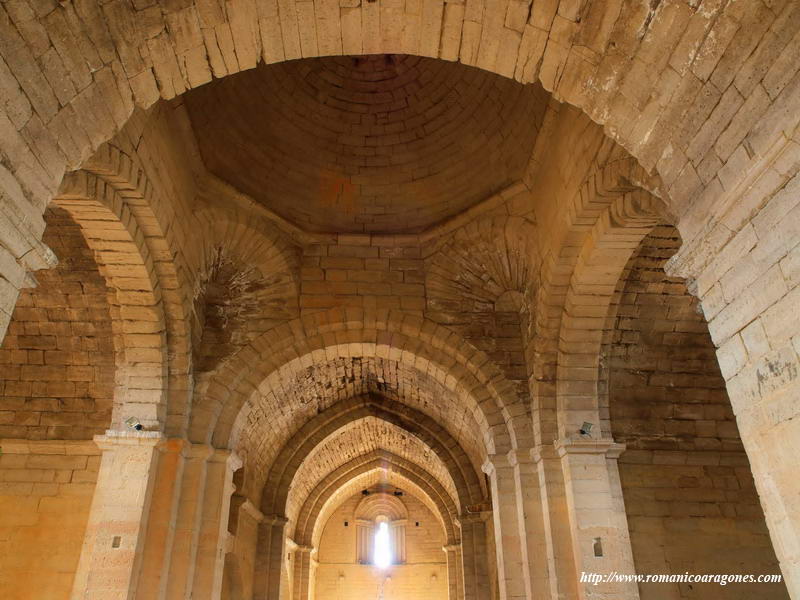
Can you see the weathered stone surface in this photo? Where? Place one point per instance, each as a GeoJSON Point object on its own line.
{"type": "Point", "coordinates": [500, 272]}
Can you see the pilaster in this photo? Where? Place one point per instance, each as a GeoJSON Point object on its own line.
{"type": "Point", "coordinates": [455, 574]}
{"type": "Point", "coordinates": [513, 575]}
{"type": "Point", "coordinates": [304, 564]}
{"type": "Point", "coordinates": [181, 561]}
{"type": "Point", "coordinates": [600, 539]}
{"type": "Point", "coordinates": [113, 546]}
{"type": "Point", "coordinates": [532, 523]}
{"type": "Point", "coordinates": [475, 555]}
{"type": "Point", "coordinates": [213, 533]}
{"type": "Point", "coordinates": [269, 557]}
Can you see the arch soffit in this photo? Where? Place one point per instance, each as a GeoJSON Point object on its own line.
{"type": "Point", "coordinates": [566, 73]}
{"type": "Point", "coordinates": [313, 433]}
{"type": "Point", "coordinates": [109, 196]}
{"type": "Point", "coordinates": [605, 252]}
{"type": "Point", "coordinates": [381, 504]}
{"type": "Point", "coordinates": [113, 234]}
{"type": "Point", "coordinates": [607, 184]}
{"type": "Point", "coordinates": [351, 332]}
{"type": "Point", "coordinates": [325, 497]}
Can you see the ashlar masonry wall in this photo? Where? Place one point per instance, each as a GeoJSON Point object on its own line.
{"type": "Point", "coordinates": [46, 490]}
{"type": "Point", "coordinates": [689, 494]}
{"type": "Point", "coordinates": [422, 577]}
{"type": "Point", "coordinates": [57, 359]}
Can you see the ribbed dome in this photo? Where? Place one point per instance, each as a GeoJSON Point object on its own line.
{"type": "Point", "coordinates": [382, 143]}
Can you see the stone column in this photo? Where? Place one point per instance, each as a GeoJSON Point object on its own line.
{"type": "Point", "coordinates": [181, 561]}
{"type": "Point", "coordinates": [269, 558]}
{"type": "Point", "coordinates": [557, 531]}
{"type": "Point", "coordinates": [303, 572]}
{"type": "Point", "coordinates": [474, 556]}
{"type": "Point", "coordinates": [773, 460]}
{"type": "Point", "coordinates": [213, 534]}
{"type": "Point", "coordinates": [532, 523]}
{"type": "Point", "coordinates": [113, 544]}
{"type": "Point", "coordinates": [161, 522]}
{"type": "Point", "coordinates": [744, 265]}
{"type": "Point", "coordinates": [513, 576]}
{"type": "Point", "coordinates": [600, 539]}
{"type": "Point", "coordinates": [245, 545]}
{"type": "Point", "coordinates": [455, 576]}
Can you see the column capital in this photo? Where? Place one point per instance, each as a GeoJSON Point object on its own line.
{"type": "Point", "coordinates": [543, 452]}
{"type": "Point", "coordinates": [251, 510]}
{"type": "Point", "coordinates": [116, 439]}
{"type": "Point", "coordinates": [202, 451]}
{"type": "Point", "coordinates": [173, 445]}
{"type": "Point", "coordinates": [519, 456]}
{"type": "Point", "coordinates": [474, 517]}
{"type": "Point", "coordinates": [225, 455]}
{"type": "Point", "coordinates": [606, 446]}
{"type": "Point", "coordinates": [512, 458]}
{"type": "Point", "coordinates": [495, 462]}
{"type": "Point", "coordinates": [275, 520]}
{"type": "Point", "coordinates": [452, 547]}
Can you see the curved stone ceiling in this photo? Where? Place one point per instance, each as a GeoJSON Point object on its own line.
{"type": "Point", "coordinates": [357, 439]}
{"type": "Point", "coordinates": [383, 143]}
{"type": "Point", "coordinates": [271, 417]}
{"type": "Point", "coordinates": [374, 479]}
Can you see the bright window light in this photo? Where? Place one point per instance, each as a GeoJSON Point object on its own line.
{"type": "Point", "coordinates": [383, 554]}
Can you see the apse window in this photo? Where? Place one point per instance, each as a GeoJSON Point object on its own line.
{"type": "Point", "coordinates": [382, 553]}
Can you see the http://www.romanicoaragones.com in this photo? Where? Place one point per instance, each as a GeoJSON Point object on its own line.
{"type": "Point", "coordinates": [686, 577]}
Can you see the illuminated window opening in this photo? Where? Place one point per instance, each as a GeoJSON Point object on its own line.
{"type": "Point", "coordinates": [382, 554]}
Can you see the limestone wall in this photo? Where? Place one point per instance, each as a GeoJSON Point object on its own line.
{"type": "Point", "coordinates": [689, 495]}
{"type": "Point", "coordinates": [45, 494]}
{"type": "Point", "coordinates": [703, 95]}
{"type": "Point", "coordinates": [423, 576]}
{"type": "Point", "coordinates": [57, 360]}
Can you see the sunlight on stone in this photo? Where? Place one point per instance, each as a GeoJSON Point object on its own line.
{"type": "Point", "coordinates": [383, 555]}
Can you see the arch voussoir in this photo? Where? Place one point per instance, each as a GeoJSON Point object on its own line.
{"type": "Point", "coordinates": [323, 337]}
{"type": "Point", "coordinates": [309, 523]}
{"type": "Point", "coordinates": [138, 318]}
{"type": "Point", "coordinates": [294, 452]}
{"type": "Point", "coordinates": [607, 248]}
